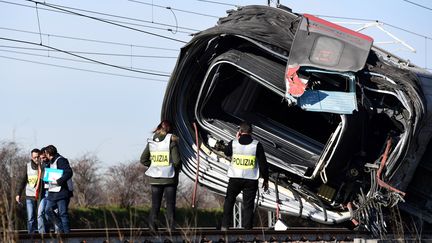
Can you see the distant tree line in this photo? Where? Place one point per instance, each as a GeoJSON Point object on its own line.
{"type": "Point", "coordinates": [122, 185]}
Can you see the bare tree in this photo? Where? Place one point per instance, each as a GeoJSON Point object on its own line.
{"type": "Point", "coordinates": [204, 197]}
{"type": "Point", "coordinates": [126, 185]}
{"type": "Point", "coordinates": [87, 181]}
{"type": "Point", "coordinates": [12, 165]}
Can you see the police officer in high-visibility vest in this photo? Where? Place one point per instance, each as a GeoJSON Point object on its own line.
{"type": "Point", "coordinates": [162, 157]}
{"type": "Point", "coordinates": [248, 163]}
{"type": "Point", "coordinates": [30, 181]}
{"type": "Point", "coordinates": [60, 190]}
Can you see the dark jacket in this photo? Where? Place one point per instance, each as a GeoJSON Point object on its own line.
{"type": "Point", "coordinates": [42, 189]}
{"type": "Point", "coordinates": [22, 182]}
{"type": "Point", "coordinates": [260, 155]}
{"type": "Point", "coordinates": [175, 157]}
{"type": "Point", "coordinates": [62, 164]}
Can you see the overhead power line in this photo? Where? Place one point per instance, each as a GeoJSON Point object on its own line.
{"type": "Point", "coordinates": [105, 21]}
{"type": "Point", "coordinates": [117, 16]}
{"type": "Point", "coordinates": [373, 20]}
{"type": "Point", "coordinates": [90, 40]}
{"type": "Point", "coordinates": [175, 9]}
{"type": "Point", "coordinates": [112, 20]}
{"type": "Point", "coordinates": [81, 69]}
{"type": "Point", "coordinates": [93, 53]}
{"type": "Point", "coordinates": [72, 60]}
{"type": "Point", "coordinates": [82, 57]}
{"type": "Point", "coordinates": [418, 5]}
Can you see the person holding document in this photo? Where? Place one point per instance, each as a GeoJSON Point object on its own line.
{"type": "Point", "coordinates": [43, 225]}
{"type": "Point", "coordinates": [59, 179]}
{"type": "Point", "coordinates": [162, 157]}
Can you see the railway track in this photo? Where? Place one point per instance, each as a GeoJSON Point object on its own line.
{"type": "Point", "coordinates": [203, 235]}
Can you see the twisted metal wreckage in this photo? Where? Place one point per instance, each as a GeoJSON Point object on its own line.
{"type": "Point", "coordinates": [345, 125]}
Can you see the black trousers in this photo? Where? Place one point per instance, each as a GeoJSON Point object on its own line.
{"type": "Point", "coordinates": [170, 199]}
{"type": "Point", "coordinates": [235, 186]}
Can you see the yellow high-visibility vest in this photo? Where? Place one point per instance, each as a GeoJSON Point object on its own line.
{"type": "Point", "coordinates": [243, 163]}
{"type": "Point", "coordinates": [32, 176]}
{"type": "Point", "coordinates": [161, 165]}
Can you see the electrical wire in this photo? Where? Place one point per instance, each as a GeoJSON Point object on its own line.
{"type": "Point", "coordinates": [81, 69]}
{"type": "Point", "coordinates": [107, 22]}
{"type": "Point", "coordinates": [373, 20]}
{"type": "Point", "coordinates": [175, 9]}
{"type": "Point", "coordinates": [103, 14]}
{"type": "Point", "coordinates": [69, 59]}
{"type": "Point", "coordinates": [90, 40]}
{"type": "Point", "coordinates": [116, 16]}
{"type": "Point", "coordinates": [82, 57]}
{"type": "Point", "coordinates": [418, 5]}
{"type": "Point", "coordinates": [90, 53]}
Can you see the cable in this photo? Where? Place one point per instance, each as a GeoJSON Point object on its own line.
{"type": "Point", "coordinates": [175, 9]}
{"type": "Point", "coordinates": [373, 20]}
{"type": "Point", "coordinates": [220, 3]}
{"type": "Point", "coordinates": [89, 53]}
{"type": "Point", "coordinates": [69, 59]}
{"type": "Point", "coordinates": [82, 57]}
{"type": "Point", "coordinates": [105, 14]}
{"type": "Point", "coordinates": [81, 69]}
{"type": "Point", "coordinates": [419, 5]}
{"type": "Point", "coordinates": [107, 22]}
{"type": "Point", "coordinates": [117, 16]}
{"type": "Point", "coordinates": [37, 14]}
{"type": "Point", "coordinates": [408, 31]}
{"type": "Point", "coordinates": [90, 40]}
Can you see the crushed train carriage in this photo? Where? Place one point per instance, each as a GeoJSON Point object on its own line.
{"type": "Point", "coordinates": [345, 125]}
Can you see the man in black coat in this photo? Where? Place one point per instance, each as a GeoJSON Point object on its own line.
{"type": "Point", "coordinates": [248, 163]}
{"type": "Point", "coordinates": [59, 190]}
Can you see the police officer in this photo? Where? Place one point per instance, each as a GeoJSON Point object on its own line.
{"type": "Point", "coordinates": [248, 163]}
{"type": "Point", "coordinates": [59, 191]}
{"type": "Point", "coordinates": [162, 157]}
{"type": "Point", "coordinates": [30, 181]}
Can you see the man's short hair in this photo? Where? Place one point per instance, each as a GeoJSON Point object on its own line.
{"type": "Point", "coordinates": [245, 127]}
{"type": "Point", "coordinates": [35, 150]}
{"type": "Point", "coordinates": [51, 150]}
{"type": "Point", "coordinates": [42, 150]}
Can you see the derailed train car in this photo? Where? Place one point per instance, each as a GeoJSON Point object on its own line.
{"type": "Point", "coordinates": [345, 125]}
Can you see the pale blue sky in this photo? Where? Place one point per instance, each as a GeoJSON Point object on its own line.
{"type": "Point", "coordinates": [111, 116]}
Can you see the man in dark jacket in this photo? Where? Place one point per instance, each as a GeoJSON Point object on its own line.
{"type": "Point", "coordinates": [248, 163]}
{"type": "Point", "coordinates": [43, 225]}
{"type": "Point", "coordinates": [59, 190]}
{"type": "Point", "coordinates": [30, 181]}
{"type": "Point", "coordinates": [162, 157]}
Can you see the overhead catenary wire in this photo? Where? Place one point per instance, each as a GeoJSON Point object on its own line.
{"type": "Point", "coordinates": [174, 9]}
{"type": "Point", "coordinates": [374, 20]}
{"type": "Point", "coordinates": [38, 20]}
{"type": "Point", "coordinates": [111, 15]}
{"type": "Point", "coordinates": [418, 5]}
{"type": "Point", "coordinates": [91, 40]}
{"type": "Point", "coordinates": [82, 57]}
{"type": "Point", "coordinates": [81, 69]}
{"type": "Point", "coordinates": [73, 60]}
{"type": "Point", "coordinates": [92, 53]}
{"type": "Point", "coordinates": [118, 16]}
{"type": "Point", "coordinates": [107, 22]}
